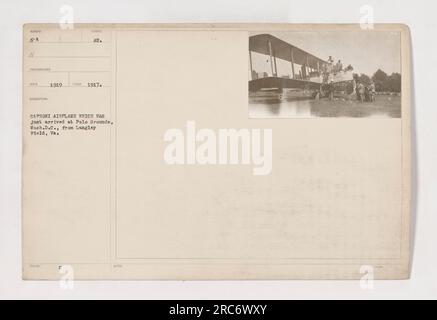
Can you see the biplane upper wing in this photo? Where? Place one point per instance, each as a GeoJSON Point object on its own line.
{"type": "Point", "coordinates": [268, 44]}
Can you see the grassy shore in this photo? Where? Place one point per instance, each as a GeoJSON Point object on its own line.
{"type": "Point", "coordinates": [383, 106]}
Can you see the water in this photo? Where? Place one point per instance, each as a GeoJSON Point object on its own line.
{"type": "Point", "coordinates": [276, 105]}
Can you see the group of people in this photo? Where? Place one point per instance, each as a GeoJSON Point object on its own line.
{"type": "Point", "coordinates": [330, 69]}
{"type": "Point", "coordinates": [337, 67]}
{"type": "Point", "coordinates": [365, 93]}
{"type": "Point", "coordinates": [334, 67]}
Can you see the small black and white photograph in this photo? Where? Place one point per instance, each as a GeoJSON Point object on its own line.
{"type": "Point", "coordinates": [341, 74]}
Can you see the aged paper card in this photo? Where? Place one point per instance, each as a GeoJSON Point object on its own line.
{"type": "Point", "coordinates": [249, 151]}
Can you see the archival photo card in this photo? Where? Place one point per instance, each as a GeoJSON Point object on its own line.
{"type": "Point", "coordinates": [172, 152]}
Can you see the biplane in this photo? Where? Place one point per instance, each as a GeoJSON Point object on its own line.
{"type": "Point", "coordinates": [307, 72]}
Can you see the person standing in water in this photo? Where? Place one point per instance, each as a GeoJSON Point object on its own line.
{"type": "Point", "coordinates": [331, 90]}
{"type": "Point", "coordinates": [361, 91]}
{"type": "Point", "coordinates": [372, 91]}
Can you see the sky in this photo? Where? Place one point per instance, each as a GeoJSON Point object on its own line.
{"type": "Point", "coordinates": [367, 51]}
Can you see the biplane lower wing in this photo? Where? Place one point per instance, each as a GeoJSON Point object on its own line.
{"type": "Point", "coordinates": [282, 83]}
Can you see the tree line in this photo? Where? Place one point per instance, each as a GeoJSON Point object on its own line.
{"type": "Point", "coordinates": [383, 81]}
